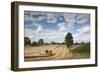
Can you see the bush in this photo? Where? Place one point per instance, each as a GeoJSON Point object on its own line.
{"type": "Point", "coordinates": [81, 49]}
{"type": "Point", "coordinates": [34, 44]}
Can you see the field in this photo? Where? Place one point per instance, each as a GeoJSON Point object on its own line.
{"type": "Point", "coordinates": [53, 52]}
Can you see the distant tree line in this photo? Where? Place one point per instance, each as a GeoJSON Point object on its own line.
{"type": "Point", "coordinates": [68, 41]}
{"type": "Point", "coordinates": [27, 42]}
{"type": "Point", "coordinates": [76, 43]}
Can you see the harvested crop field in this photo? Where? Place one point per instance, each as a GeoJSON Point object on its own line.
{"type": "Point", "coordinates": [57, 52]}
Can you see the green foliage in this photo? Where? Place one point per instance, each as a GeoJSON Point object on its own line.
{"type": "Point", "coordinates": [81, 49]}
{"type": "Point", "coordinates": [40, 42]}
{"type": "Point", "coordinates": [53, 42]}
{"type": "Point", "coordinates": [27, 41]}
{"type": "Point", "coordinates": [69, 39]}
{"type": "Point", "coordinates": [34, 44]}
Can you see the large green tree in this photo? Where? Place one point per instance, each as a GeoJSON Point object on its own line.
{"type": "Point", "coordinates": [69, 39]}
{"type": "Point", "coordinates": [40, 42]}
{"type": "Point", "coordinates": [27, 41]}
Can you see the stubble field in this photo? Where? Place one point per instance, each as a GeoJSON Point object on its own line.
{"type": "Point", "coordinates": [59, 52]}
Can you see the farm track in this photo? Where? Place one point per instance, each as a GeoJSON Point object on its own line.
{"type": "Point", "coordinates": [59, 51]}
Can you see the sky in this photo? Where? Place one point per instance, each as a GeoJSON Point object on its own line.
{"type": "Point", "coordinates": [53, 26]}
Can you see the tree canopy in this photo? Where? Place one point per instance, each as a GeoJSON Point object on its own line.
{"type": "Point", "coordinates": [27, 41]}
{"type": "Point", "coordinates": [69, 39]}
{"type": "Point", "coordinates": [40, 42]}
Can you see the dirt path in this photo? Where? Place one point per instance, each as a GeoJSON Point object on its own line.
{"type": "Point", "coordinates": [59, 51]}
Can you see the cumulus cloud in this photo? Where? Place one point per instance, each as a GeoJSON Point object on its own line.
{"type": "Point", "coordinates": [40, 29]}
{"type": "Point", "coordinates": [83, 34]}
{"type": "Point", "coordinates": [34, 16]}
{"type": "Point", "coordinates": [42, 17]}
{"type": "Point", "coordinates": [81, 37]}
{"type": "Point", "coordinates": [30, 18]}
{"type": "Point", "coordinates": [55, 36]}
{"type": "Point", "coordinates": [83, 19]}
{"type": "Point", "coordinates": [79, 18]}
{"type": "Point", "coordinates": [32, 22]}
{"type": "Point", "coordinates": [70, 19]}
{"type": "Point", "coordinates": [28, 32]}
{"type": "Point", "coordinates": [82, 16]}
{"type": "Point", "coordinates": [51, 18]}
{"type": "Point", "coordinates": [62, 26]}
{"type": "Point", "coordinates": [47, 35]}
{"type": "Point", "coordinates": [85, 29]}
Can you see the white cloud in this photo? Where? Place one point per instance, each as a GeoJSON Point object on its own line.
{"type": "Point", "coordinates": [85, 29]}
{"type": "Point", "coordinates": [33, 23]}
{"type": "Point", "coordinates": [69, 15]}
{"type": "Point", "coordinates": [30, 18]}
{"type": "Point", "coordinates": [82, 21]}
{"type": "Point", "coordinates": [81, 37]}
{"type": "Point", "coordinates": [83, 34]}
{"type": "Point", "coordinates": [83, 18]}
{"type": "Point", "coordinates": [39, 29]}
{"type": "Point", "coordinates": [56, 36]}
{"type": "Point", "coordinates": [36, 24]}
{"type": "Point", "coordinates": [47, 35]}
{"type": "Point", "coordinates": [41, 18]}
{"type": "Point", "coordinates": [62, 27]}
{"type": "Point", "coordinates": [34, 19]}
{"type": "Point", "coordinates": [51, 18]}
{"type": "Point", "coordinates": [70, 19]}
{"type": "Point", "coordinates": [28, 32]}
